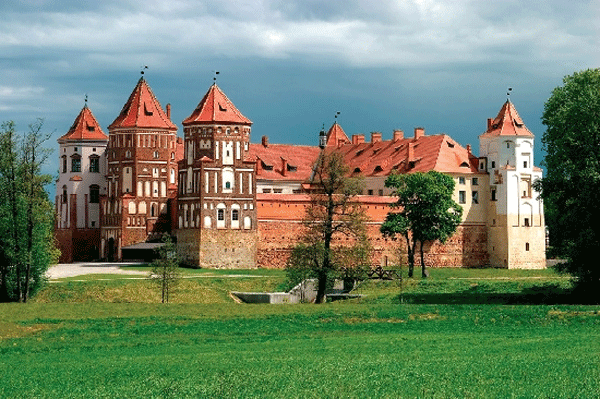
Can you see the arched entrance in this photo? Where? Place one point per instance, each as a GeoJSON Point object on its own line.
{"type": "Point", "coordinates": [111, 250]}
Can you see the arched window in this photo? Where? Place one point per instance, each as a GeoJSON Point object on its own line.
{"type": "Point", "coordinates": [64, 194]}
{"type": "Point", "coordinates": [156, 154]}
{"type": "Point", "coordinates": [127, 154]}
{"type": "Point", "coordinates": [64, 164]}
{"type": "Point", "coordinates": [94, 194]}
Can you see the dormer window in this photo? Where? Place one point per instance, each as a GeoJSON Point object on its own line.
{"type": "Point", "coordinates": [464, 165]}
{"type": "Point", "coordinates": [357, 170]}
{"type": "Point", "coordinates": [450, 145]}
{"type": "Point", "coordinates": [291, 168]}
{"type": "Point", "coordinates": [378, 168]}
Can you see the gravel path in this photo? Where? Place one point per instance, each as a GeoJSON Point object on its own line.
{"type": "Point", "coordinates": [78, 269]}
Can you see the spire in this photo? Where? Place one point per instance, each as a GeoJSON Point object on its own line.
{"type": "Point", "coordinates": [216, 107]}
{"type": "Point", "coordinates": [507, 123]}
{"type": "Point", "coordinates": [142, 109]}
{"type": "Point", "coordinates": [85, 127]}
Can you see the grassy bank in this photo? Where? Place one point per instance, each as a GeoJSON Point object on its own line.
{"type": "Point", "coordinates": [385, 346]}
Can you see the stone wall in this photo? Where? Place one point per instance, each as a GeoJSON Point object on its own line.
{"type": "Point", "coordinates": [466, 248]}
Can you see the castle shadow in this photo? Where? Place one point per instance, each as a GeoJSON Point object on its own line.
{"type": "Point", "coordinates": [544, 294]}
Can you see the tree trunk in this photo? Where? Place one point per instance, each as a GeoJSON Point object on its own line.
{"type": "Point", "coordinates": [411, 255]}
{"type": "Point", "coordinates": [424, 273]}
{"type": "Point", "coordinates": [322, 285]}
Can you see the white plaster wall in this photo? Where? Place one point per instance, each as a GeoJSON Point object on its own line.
{"type": "Point", "coordinates": [85, 150]}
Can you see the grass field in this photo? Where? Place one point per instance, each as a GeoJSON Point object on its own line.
{"type": "Point", "coordinates": [460, 334]}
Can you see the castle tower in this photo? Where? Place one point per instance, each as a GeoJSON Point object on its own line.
{"type": "Point", "coordinates": [142, 168]}
{"type": "Point", "coordinates": [516, 228]}
{"type": "Point", "coordinates": [217, 185]}
{"type": "Point", "coordinates": [78, 188]}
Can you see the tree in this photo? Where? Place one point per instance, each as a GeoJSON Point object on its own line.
{"type": "Point", "coordinates": [27, 246]}
{"type": "Point", "coordinates": [333, 212]}
{"type": "Point", "coordinates": [165, 269]}
{"type": "Point", "coordinates": [572, 181]}
{"type": "Point", "coordinates": [426, 211]}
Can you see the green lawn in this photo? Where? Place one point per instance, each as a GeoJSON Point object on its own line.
{"type": "Point", "coordinates": [439, 339]}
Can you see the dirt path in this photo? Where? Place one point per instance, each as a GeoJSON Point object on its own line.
{"type": "Point", "coordinates": [79, 269]}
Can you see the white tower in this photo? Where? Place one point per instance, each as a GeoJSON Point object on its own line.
{"type": "Point", "coordinates": [516, 228]}
{"type": "Point", "coordinates": [80, 183]}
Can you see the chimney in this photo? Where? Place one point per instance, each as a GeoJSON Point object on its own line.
{"type": "Point", "coordinates": [284, 166]}
{"type": "Point", "coordinates": [258, 166]}
{"type": "Point", "coordinates": [469, 148]}
{"type": "Point", "coordinates": [169, 111]}
{"type": "Point", "coordinates": [419, 132]}
{"type": "Point", "coordinates": [358, 138]}
{"type": "Point", "coordinates": [490, 120]}
{"type": "Point", "coordinates": [411, 152]}
{"type": "Point", "coordinates": [375, 137]}
{"type": "Point", "coordinates": [265, 141]}
{"type": "Point", "coordinates": [398, 135]}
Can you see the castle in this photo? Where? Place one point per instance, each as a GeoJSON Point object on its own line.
{"type": "Point", "coordinates": [236, 204]}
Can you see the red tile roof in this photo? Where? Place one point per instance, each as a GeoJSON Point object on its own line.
{"type": "Point", "coordinates": [336, 136]}
{"type": "Point", "coordinates": [438, 152]}
{"type": "Point", "coordinates": [215, 107]}
{"type": "Point", "coordinates": [407, 155]}
{"type": "Point", "coordinates": [300, 160]}
{"type": "Point", "coordinates": [142, 109]}
{"type": "Point", "coordinates": [507, 123]}
{"type": "Point", "coordinates": [85, 127]}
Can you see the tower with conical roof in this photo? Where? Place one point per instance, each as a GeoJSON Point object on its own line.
{"type": "Point", "coordinates": [217, 185]}
{"type": "Point", "coordinates": [516, 228]}
{"type": "Point", "coordinates": [141, 173]}
{"type": "Point", "coordinates": [80, 183]}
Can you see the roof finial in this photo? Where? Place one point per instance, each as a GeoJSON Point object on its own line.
{"type": "Point", "coordinates": [215, 77]}
{"type": "Point", "coordinates": [86, 100]}
{"type": "Point", "coordinates": [508, 93]}
{"type": "Point", "coordinates": [336, 115]}
{"type": "Point", "coordinates": [144, 67]}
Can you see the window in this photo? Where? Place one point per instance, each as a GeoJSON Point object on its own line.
{"type": "Point", "coordinates": [94, 194]}
{"type": "Point", "coordinates": [461, 180]}
{"type": "Point", "coordinates": [220, 214]}
{"type": "Point", "coordinates": [493, 195]}
{"type": "Point", "coordinates": [64, 195]}
{"type": "Point", "coordinates": [76, 163]}
{"type": "Point", "coordinates": [95, 164]}
{"type": "Point", "coordinates": [228, 185]}
{"type": "Point", "coordinates": [525, 164]}
{"type": "Point", "coordinates": [475, 181]}
{"type": "Point", "coordinates": [64, 164]}
{"type": "Point", "coordinates": [475, 196]}
{"type": "Point", "coordinates": [493, 164]}
{"type": "Point", "coordinates": [156, 154]}
{"type": "Point", "coordinates": [127, 154]}
{"type": "Point", "coordinates": [381, 192]}
{"type": "Point", "coordinates": [526, 222]}
{"type": "Point", "coordinates": [235, 215]}
{"type": "Point", "coordinates": [266, 190]}
{"type": "Point", "coordinates": [370, 192]}
{"type": "Point", "coordinates": [462, 197]}
{"type": "Point", "coordinates": [526, 246]}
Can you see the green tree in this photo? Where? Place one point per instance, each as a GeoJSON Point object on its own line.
{"type": "Point", "coordinates": [333, 212]}
{"type": "Point", "coordinates": [426, 211]}
{"type": "Point", "coordinates": [571, 187]}
{"type": "Point", "coordinates": [27, 246]}
{"type": "Point", "coordinates": [165, 269]}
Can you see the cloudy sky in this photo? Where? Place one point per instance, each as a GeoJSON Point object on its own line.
{"type": "Point", "coordinates": [290, 65]}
